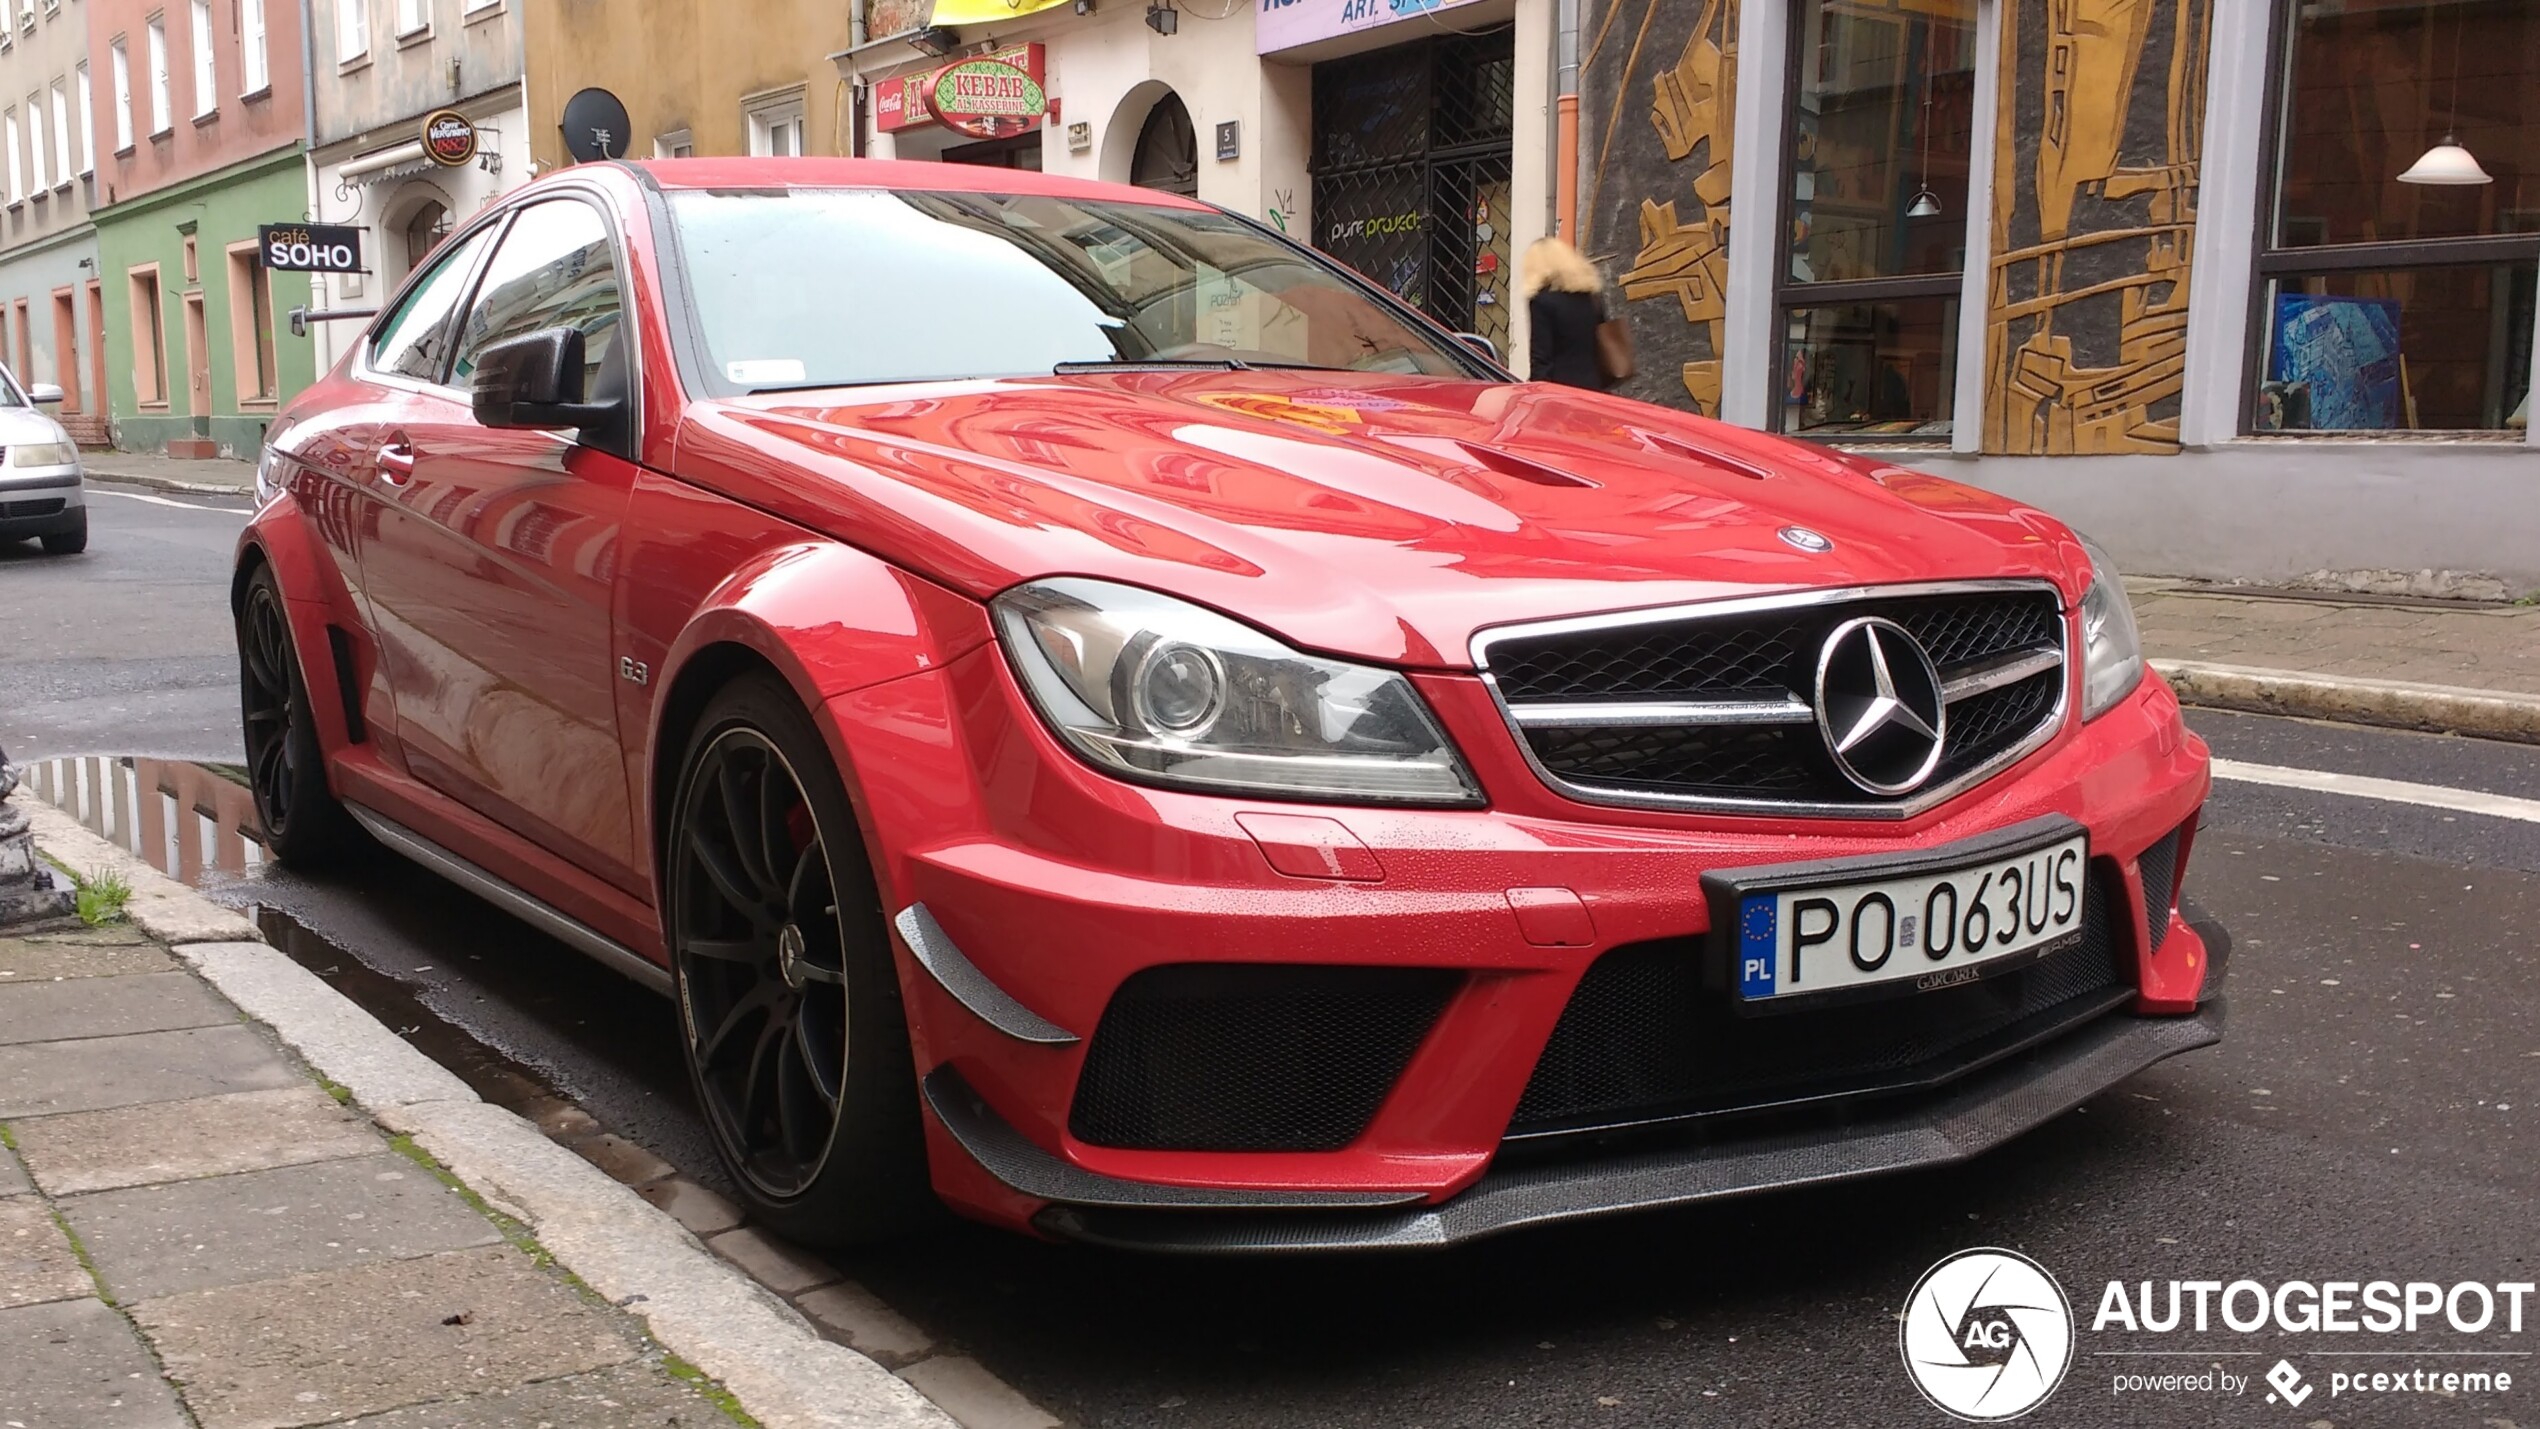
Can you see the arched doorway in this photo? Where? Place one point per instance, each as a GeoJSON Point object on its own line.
{"type": "Point", "coordinates": [424, 229]}
{"type": "Point", "coordinates": [1167, 155]}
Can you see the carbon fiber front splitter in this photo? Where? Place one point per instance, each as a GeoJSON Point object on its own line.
{"type": "Point", "coordinates": [1969, 1119]}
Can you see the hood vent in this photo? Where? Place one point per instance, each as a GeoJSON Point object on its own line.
{"type": "Point", "coordinates": [1677, 446]}
{"type": "Point", "coordinates": [1522, 468]}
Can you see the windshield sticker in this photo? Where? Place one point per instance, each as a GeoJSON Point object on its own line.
{"type": "Point", "coordinates": [757, 371]}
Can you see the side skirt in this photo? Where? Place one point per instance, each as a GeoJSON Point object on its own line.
{"type": "Point", "coordinates": [609, 952]}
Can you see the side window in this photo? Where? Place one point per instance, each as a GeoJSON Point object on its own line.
{"type": "Point", "coordinates": [555, 268]}
{"type": "Point", "coordinates": [415, 342]}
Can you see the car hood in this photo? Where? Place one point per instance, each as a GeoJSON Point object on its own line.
{"type": "Point", "coordinates": [21, 425]}
{"type": "Point", "coordinates": [1383, 517]}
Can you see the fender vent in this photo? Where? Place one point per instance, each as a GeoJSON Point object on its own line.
{"type": "Point", "coordinates": [348, 690]}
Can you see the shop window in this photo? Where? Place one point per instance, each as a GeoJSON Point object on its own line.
{"type": "Point", "coordinates": [2386, 302]}
{"type": "Point", "coordinates": [1880, 132]}
{"type": "Point", "coordinates": [149, 340]}
{"type": "Point", "coordinates": [1411, 174]}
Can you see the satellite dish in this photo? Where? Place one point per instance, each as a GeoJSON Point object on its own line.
{"type": "Point", "coordinates": [595, 126]}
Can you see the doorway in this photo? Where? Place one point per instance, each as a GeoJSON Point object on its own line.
{"type": "Point", "coordinates": [198, 359]}
{"type": "Point", "coordinates": [1167, 156]}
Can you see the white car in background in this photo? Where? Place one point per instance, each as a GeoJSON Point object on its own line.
{"type": "Point", "coordinates": [41, 494]}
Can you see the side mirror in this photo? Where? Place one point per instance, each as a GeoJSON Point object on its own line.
{"type": "Point", "coordinates": [535, 381]}
{"type": "Point", "coordinates": [1480, 344]}
{"type": "Point", "coordinates": [44, 394]}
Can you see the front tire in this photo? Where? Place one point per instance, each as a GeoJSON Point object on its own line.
{"type": "Point", "coordinates": [304, 826]}
{"type": "Point", "coordinates": [789, 1007]}
{"type": "Point", "coordinates": [70, 542]}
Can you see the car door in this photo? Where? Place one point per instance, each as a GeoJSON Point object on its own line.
{"type": "Point", "coordinates": [495, 559]}
{"type": "Point", "coordinates": [337, 476]}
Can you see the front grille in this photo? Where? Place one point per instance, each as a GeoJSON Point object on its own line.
{"type": "Point", "coordinates": [1251, 1056]}
{"type": "Point", "coordinates": [1670, 749]}
{"type": "Point", "coordinates": [19, 510]}
{"type": "Point", "coordinates": [2159, 867]}
{"type": "Point", "coordinates": [1646, 1037]}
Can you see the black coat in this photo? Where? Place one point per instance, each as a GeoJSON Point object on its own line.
{"type": "Point", "coordinates": [1562, 347]}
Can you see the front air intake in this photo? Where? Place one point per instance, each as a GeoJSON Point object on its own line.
{"type": "Point", "coordinates": [1252, 1056]}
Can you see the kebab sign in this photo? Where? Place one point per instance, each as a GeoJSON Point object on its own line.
{"type": "Point", "coordinates": [986, 98]}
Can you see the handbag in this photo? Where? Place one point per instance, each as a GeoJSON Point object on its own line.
{"type": "Point", "coordinates": [1614, 350]}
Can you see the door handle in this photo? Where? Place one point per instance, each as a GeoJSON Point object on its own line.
{"type": "Point", "coordinates": [397, 462]}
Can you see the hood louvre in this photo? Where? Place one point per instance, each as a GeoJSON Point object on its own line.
{"type": "Point", "coordinates": [1522, 468]}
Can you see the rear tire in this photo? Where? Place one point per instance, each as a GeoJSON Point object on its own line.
{"type": "Point", "coordinates": [304, 826]}
{"type": "Point", "coordinates": [789, 1006]}
{"type": "Point", "coordinates": [70, 542]}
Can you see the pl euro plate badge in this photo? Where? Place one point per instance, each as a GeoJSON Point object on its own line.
{"type": "Point", "coordinates": [1914, 932]}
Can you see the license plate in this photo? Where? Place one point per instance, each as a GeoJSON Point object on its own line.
{"type": "Point", "coordinates": [1911, 930]}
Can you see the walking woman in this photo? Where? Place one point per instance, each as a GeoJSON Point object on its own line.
{"type": "Point", "coordinates": [1560, 287]}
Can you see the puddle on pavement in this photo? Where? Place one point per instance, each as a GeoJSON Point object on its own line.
{"type": "Point", "coordinates": [193, 822]}
{"type": "Point", "coordinates": [197, 823]}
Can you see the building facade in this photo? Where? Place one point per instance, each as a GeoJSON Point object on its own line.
{"type": "Point", "coordinates": [51, 308]}
{"type": "Point", "coordinates": [1413, 142]}
{"type": "Point", "coordinates": [2172, 269]}
{"type": "Point", "coordinates": [200, 111]}
{"type": "Point", "coordinates": [383, 68]}
{"type": "Point", "coordinates": [694, 76]}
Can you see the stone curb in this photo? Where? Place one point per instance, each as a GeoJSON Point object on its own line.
{"type": "Point", "coordinates": [2397, 704]}
{"type": "Point", "coordinates": [693, 1302]}
{"type": "Point", "coordinates": [169, 484]}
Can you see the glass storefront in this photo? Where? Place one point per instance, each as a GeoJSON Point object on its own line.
{"type": "Point", "coordinates": [2388, 302]}
{"type": "Point", "coordinates": [1881, 129]}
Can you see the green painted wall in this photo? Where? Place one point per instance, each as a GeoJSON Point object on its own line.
{"type": "Point", "coordinates": [224, 208]}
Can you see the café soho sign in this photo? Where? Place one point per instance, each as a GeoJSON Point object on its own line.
{"type": "Point", "coordinates": [1286, 24]}
{"type": "Point", "coordinates": [990, 96]}
{"type": "Point", "coordinates": [310, 247]}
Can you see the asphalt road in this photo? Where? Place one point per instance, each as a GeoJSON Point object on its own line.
{"type": "Point", "coordinates": [2371, 1115]}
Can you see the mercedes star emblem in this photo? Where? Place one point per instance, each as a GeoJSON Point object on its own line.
{"type": "Point", "coordinates": [1879, 705]}
{"type": "Point", "coordinates": [1806, 540]}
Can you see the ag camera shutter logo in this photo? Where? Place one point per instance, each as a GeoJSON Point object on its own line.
{"type": "Point", "coordinates": [1987, 1335]}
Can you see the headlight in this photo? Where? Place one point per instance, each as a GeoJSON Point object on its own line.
{"type": "Point", "coordinates": [1156, 690]}
{"type": "Point", "coordinates": [44, 454]}
{"type": "Point", "coordinates": [271, 475]}
{"type": "Point", "coordinates": [2111, 650]}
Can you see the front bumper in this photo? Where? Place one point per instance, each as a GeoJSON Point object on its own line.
{"type": "Point", "coordinates": [40, 502]}
{"type": "Point", "coordinates": [1974, 1116]}
{"type": "Point", "coordinates": [1051, 887]}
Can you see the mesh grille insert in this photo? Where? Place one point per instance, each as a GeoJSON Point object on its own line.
{"type": "Point", "coordinates": [1643, 1039]}
{"type": "Point", "coordinates": [1252, 1056]}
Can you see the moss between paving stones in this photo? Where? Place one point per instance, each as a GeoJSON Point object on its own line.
{"type": "Point", "coordinates": [524, 1240]}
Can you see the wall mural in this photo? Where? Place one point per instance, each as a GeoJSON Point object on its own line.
{"type": "Point", "coordinates": [2094, 220]}
{"type": "Point", "coordinates": [1667, 207]}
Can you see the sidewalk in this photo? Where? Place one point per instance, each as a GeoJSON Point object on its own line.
{"type": "Point", "coordinates": [230, 1199]}
{"type": "Point", "coordinates": [190, 1217]}
{"type": "Point", "coordinates": [2447, 666]}
{"type": "Point", "coordinates": [217, 476]}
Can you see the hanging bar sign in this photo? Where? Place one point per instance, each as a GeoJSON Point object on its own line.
{"type": "Point", "coordinates": [310, 247]}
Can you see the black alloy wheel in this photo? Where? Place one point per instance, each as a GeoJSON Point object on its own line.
{"type": "Point", "coordinates": [303, 824]}
{"type": "Point", "coordinates": [788, 1004]}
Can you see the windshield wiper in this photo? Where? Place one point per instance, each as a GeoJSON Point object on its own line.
{"type": "Point", "coordinates": [1151, 364]}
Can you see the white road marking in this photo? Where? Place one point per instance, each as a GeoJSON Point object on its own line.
{"type": "Point", "coordinates": [2397, 791]}
{"type": "Point", "coordinates": [163, 501]}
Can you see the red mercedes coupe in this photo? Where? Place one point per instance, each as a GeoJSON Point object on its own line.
{"type": "Point", "coordinates": [1096, 714]}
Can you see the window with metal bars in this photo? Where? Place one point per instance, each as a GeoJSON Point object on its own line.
{"type": "Point", "coordinates": [1411, 174]}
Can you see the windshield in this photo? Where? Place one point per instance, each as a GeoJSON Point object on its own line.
{"type": "Point", "coordinates": [817, 288]}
